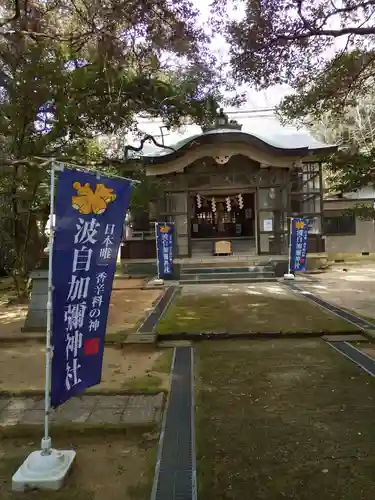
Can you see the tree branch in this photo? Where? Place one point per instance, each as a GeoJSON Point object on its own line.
{"type": "Point", "coordinates": [140, 147]}
{"type": "Point", "coordinates": [306, 23]}
{"type": "Point", "coordinates": [335, 33]}
{"type": "Point", "coordinates": [346, 10]}
{"type": "Point", "coordinates": [45, 161]}
{"type": "Point", "coordinates": [331, 33]}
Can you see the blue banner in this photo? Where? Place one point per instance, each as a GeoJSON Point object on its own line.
{"type": "Point", "coordinates": [90, 213]}
{"type": "Point", "coordinates": [164, 244]}
{"type": "Point", "coordinates": [300, 232]}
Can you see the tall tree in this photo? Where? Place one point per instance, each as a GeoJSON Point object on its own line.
{"type": "Point", "coordinates": [72, 70]}
{"type": "Point", "coordinates": [83, 68]}
{"type": "Point", "coordinates": [353, 167]}
{"type": "Point", "coordinates": [324, 50]}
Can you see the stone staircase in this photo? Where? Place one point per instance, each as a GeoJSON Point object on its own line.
{"type": "Point", "coordinates": [195, 273]}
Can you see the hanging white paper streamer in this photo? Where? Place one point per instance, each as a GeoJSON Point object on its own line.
{"type": "Point", "coordinates": [240, 201]}
{"type": "Point", "coordinates": [228, 203]}
{"type": "Point", "coordinates": [199, 201]}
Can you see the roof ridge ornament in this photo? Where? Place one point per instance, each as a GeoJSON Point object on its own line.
{"type": "Point", "coordinates": [222, 122]}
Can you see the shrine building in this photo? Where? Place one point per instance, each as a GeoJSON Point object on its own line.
{"type": "Point", "coordinates": [231, 191]}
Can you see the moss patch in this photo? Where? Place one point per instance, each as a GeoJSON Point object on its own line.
{"type": "Point", "coordinates": [242, 313]}
{"type": "Point", "coordinates": [280, 419]}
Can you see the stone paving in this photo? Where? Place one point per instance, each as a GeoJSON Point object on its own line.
{"type": "Point", "coordinates": [91, 410]}
{"type": "Point", "coordinates": [352, 288]}
{"type": "Point", "coordinates": [264, 289]}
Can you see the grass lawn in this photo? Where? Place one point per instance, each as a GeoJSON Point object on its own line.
{"type": "Point", "coordinates": [284, 419]}
{"type": "Point", "coordinates": [127, 309]}
{"type": "Point", "coordinates": [243, 312]}
{"type": "Point", "coordinates": [111, 466]}
{"type": "Point", "coordinates": [128, 367]}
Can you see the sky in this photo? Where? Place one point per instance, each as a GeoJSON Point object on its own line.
{"type": "Point", "coordinates": [269, 98]}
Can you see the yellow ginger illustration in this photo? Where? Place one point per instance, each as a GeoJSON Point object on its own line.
{"type": "Point", "coordinates": [87, 201]}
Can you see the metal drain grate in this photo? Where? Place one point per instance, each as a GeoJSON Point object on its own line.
{"type": "Point", "coordinates": [175, 473]}
{"type": "Point", "coordinates": [358, 357]}
{"type": "Point", "coordinates": [150, 322]}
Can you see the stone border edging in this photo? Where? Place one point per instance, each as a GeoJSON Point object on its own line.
{"type": "Point", "coordinates": [39, 393]}
{"type": "Point", "coordinates": [196, 337]}
{"type": "Point", "coordinates": [41, 339]}
{"type": "Point", "coordinates": [92, 412]}
{"type": "Point", "coordinates": [62, 430]}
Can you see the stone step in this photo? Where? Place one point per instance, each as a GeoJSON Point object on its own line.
{"type": "Point", "coordinates": [221, 262]}
{"type": "Point", "coordinates": [345, 338]}
{"type": "Point", "coordinates": [141, 338]}
{"type": "Point", "coordinates": [174, 343]}
{"type": "Point", "coordinates": [216, 276]}
{"type": "Point", "coordinates": [228, 281]}
{"type": "Point", "coordinates": [220, 270]}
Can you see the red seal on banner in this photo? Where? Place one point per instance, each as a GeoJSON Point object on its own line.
{"type": "Point", "coordinates": [91, 347]}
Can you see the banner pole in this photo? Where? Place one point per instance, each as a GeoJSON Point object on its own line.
{"type": "Point", "coordinates": [60, 165]}
{"type": "Point", "coordinates": [289, 275]}
{"type": "Point", "coordinates": [46, 441]}
{"type": "Point", "coordinates": [290, 246]}
{"type": "Point", "coordinates": [157, 251]}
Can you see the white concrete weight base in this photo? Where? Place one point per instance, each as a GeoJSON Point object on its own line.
{"type": "Point", "coordinates": [288, 276]}
{"type": "Point", "coordinates": [158, 281]}
{"type": "Point", "coordinates": [45, 472]}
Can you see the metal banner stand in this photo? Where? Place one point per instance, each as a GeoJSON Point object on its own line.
{"type": "Point", "coordinates": [290, 275]}
{"type": "Point", "coordinates": [46, 468]}
{"type": "Point", "coordinates": [157, 280]}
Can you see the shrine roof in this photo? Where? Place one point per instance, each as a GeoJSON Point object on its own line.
{"type": "Point", "coordinates": [263, 132]}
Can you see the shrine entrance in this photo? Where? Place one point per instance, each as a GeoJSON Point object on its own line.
{"type": "Point", "coordinates": [221, 216]}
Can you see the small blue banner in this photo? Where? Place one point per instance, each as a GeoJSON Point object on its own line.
{"type": "Point", "coordinates": [90, 213]}
{"type": "Point", "coordinates": [164, 244]}
{"type": "Point", "coordinates": [300, 232]}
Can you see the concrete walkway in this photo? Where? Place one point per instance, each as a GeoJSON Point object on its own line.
{"type": "Point", "coordinates": [352, 289]}
{"type": "Point", "coordinates": [145, 409]}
